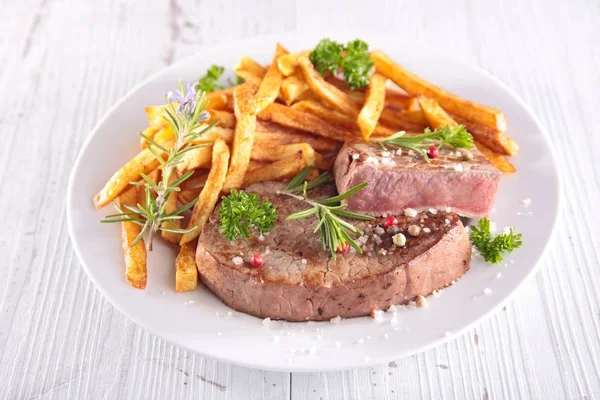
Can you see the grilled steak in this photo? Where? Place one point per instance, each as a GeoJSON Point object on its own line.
{"type": "Point", "coordinates": [400, 181]}
{"type": "Point", "coordinates": [298, 281]}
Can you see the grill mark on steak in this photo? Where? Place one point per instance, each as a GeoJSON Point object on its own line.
{"type": "Point", "coordinates": [350, 286]}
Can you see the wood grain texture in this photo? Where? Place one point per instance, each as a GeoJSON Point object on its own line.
{"type": "Point", "coordinates": [63, 63]}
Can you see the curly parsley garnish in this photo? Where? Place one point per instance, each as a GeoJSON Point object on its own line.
{"type": "Point", "coordinates": [456, 137]}
{"type": "Point", "coordinates": [353, 59]}
{"type": "Point", "coordinates": [240, 212]}
{"type": "Point", "coordinates": [210, 81]}
{"type": "Point", "coordinates": [492, 248]}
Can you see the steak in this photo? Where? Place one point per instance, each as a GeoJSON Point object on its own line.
{"type": "Point", "coordinates": [406, 180]}
{"type": "Point", "coordinates": [299, 281]}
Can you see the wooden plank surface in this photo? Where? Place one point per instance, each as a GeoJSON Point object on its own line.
{"type": "Point", "coordinates": [63, 63]}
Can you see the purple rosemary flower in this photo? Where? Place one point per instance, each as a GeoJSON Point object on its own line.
{"type": "Point", "coordinates": [186, 100]}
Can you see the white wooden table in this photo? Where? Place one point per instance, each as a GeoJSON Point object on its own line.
{"type": "Point", "coordinates": [64, 62]}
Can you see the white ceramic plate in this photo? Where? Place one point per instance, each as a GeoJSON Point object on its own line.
{"type": "Point", "coordinates": [199, 322]}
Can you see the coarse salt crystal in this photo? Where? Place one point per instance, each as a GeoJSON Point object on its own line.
{"type": "Point", "coordinates": [267, 250]}
{"type": "Point", "coordinates": [386, 154]}
{"type": "Point", "coordinates": [392, 308]}
{"type": "Point", "coordinates": [266, 321]}
{"type": "Point", "coordinates": [448, 209]}
{"type": "Point", "coordinates": [457, 167]}
{"type": "Point", "coordinates": [372, 160]}
{"type": "Point", "coordinates": [433, 211]}
{"type": "Point", "coordinates": [261, 238]}
{"type": "Point", "coordinates": [447, 221]}
{"type": "Point", "coordinates": [335, 320]}
{"type": "Point", "coordinates": [377, 239]}
{"type": "Point", "coordinates": [410, 212]}
{"type": "Point", "coordinates": [426, 230]}
{"type": "Point", "coordinates": [355, 156]}
{"type": "Point", "coordinates": [394, 319]}
{"type": "Point", "coordinates": [421, 301]}
{"type": "Point", "coordinates": [437, 293]}
{"type": "Point", "coordinates": [526, 202]}
{"type": "Point", "coordinates": [237, 260]}
{"type": "Point", "coordinates": [379, 230]}
{"type": "Point", "coordinates": [411, 153]}
{"type": "Point", "coordinates": [383, 252]}
{"type": "Point", "coordinates": [388, 161]}
{"type": "Point", "coordinates": [304, 261]}
{"type": "Point", "coordinates": [377, 315]}
{"type": "Point", "coordinates": [399, 152]}
{"type": "Point", "coordinates": [487, 291]}
{"type": "Point", "coordinates": [452, 283]}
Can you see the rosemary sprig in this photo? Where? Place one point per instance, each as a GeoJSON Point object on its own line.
{"type": "Point", "coordinates": [335, 231]}
{"type": "Point", "coordinates": [456, 137]}
{"type": "Point", "coordinates": [185, 113]}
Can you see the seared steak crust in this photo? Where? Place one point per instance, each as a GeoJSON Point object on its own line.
{"type": "Point", "coordinates": [400, 181]}
{"type": "Point", "coordinates": [300, 282]}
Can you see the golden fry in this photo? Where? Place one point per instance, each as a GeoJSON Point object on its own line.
{"type": "Point", "coordinates": [250, 70]}
{"type": "Point", "coordinates": [186, 196]}
{"type": "Point", "coordinates": [216, 132]}
{"type": "Point", "coordinates": [279, 170]}
{"type": "Point", "coordinates": [156, 116]}
{"type": "Point", "coordinates": [211, 191]}
{"type": "Point", "coordinates": [326, 91]}
{"type": "Point", "coordinates": [171, 206]}
{"type": "Point", "coordinates": [292, 118]}
{"type": "Point", "coordinates": [193, 159]}
{"type": "Point", "coordinates": [243, 136]}
{"type": "Point", "coordinates": [269, 88]}
{"type": "Point", "coordinates": [224, 118]}
{"type": "Point", "coordinates": [135, 256]}
{"type": "Point", "coordinates": [415, 85]}
{"type": "Point", "coordinates": [196, 181]}
{"type": "Point", "coordinates": [496, 140]}
{"type": "Point", "coordinates": [435, 115]}
{"type": "Point", "coordinates": [496, 159]}
{"type": "Point", "coordinates": [271, 133]}
{"type": "Point", "coordinates": [288, 64]}
{"type": "Point", "coordinates": [219, 99]}
{"type": "Point", "coordinates": [186, 272]}
{"type": "Point", "coordinates": [293, 87]}
{"type": "Point", "coordinates": [374, 101]}
{"type": "Point", "coordinates": [144, 162]}
{"type": "Point", "coordinates": [141, 190]}
{"type": "Point", "coordinates": [149, 132]}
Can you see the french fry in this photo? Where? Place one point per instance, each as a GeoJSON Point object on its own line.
{"type": "Point", "coordinates": [210, 192]}
{"type": "Point", "coordinates": [279, 170]}
{"type": "Point", "coordinates": [435, 114]}
{"type": "Point", "coordinates": [250, 70]}
{"type": "Point", "coordinates": [276, 152]}
{"type": "Point", "coordinates": [135, 256]}
{"type": "Point", "coordinates": [256, 164]}
{"type": "Point", "coordinates": [141, 190]}
{"type": "Point", "coordinates": [193, 159]}
{"type": "Point", "coordinates": [219, 99]}
{"type": "Point", "coordinates": [186, 196]}
{"type": "Point", "coordinates": [415, 116]}
{"type": "Point", "coordinates": [374, 102]}
{"type": "Point", "coordinates": [269, 87]}
{"type": "Point", "coordinates": [224, 118]}
{"type": "Point", "coordinates": [496, 159]}
{"type": "Point", "coordinates": [171, 206]}
{"type": "Point", "coordinates": [243, 136]}
{"type": "Point", "coordinates": [144, 161]}
{"type": "Point", "coordinates": [293, 118]}
{"type": "Point", "coordinates": [149, 132]}
{"type": "Point", "coordinates": [196, 181]}
{"type": "Point", "coordinates": [415, 85]}
{"type": "Point", "coordinates": [325, 90]}
{"type": "Point", "coordinates": [156, 116]}
{"type": "Point", "coordinates": [398, 122]}
{"type": "Point", "coordinates": [293, 87]}
{"type": "Point", "coordinates": [496, 140]}
{"type": "Point", "coordinates": [216, 132]}
{"type": "Point", "coordinates": [336, 118]}
{"type": "Point", "coordinates": [271, 133]}
{"type": "Point", "coordinates": [393, 97]}
{"type": "Point", "coordinates": [186, 272]}
{"type": "Point", "coordinates": [288, 64]}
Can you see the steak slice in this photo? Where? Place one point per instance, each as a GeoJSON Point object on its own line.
{"type": "Point", "coordinates": [406, 180]}
{"type": "Point", "coordinates": [298, 281]}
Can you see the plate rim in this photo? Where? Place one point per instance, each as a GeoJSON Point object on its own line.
{"type": "Point", "coordinates": [291, 368]}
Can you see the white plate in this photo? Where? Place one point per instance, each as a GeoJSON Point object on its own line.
{"type": "Point", "coordinates": [199, 322]}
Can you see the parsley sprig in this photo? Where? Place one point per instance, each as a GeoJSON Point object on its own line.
{"type": "Point", "coordinates": [185, 115]}
{"type": "Point", "coordinates": [241, 212]}
{"type": "Point", "coordinates": [456, 137]}
{"type": "Point", "coordinates": [210, 81]}
{"type": "Point", "coordinates": [492, 248]}
{"type": "Point", "coordinates": [353, 59]}
{"type": "Point", "coordinates": [335, 230]}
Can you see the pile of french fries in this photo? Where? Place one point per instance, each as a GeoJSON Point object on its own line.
{"type": "Point", "coordinates": [285, 117]}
